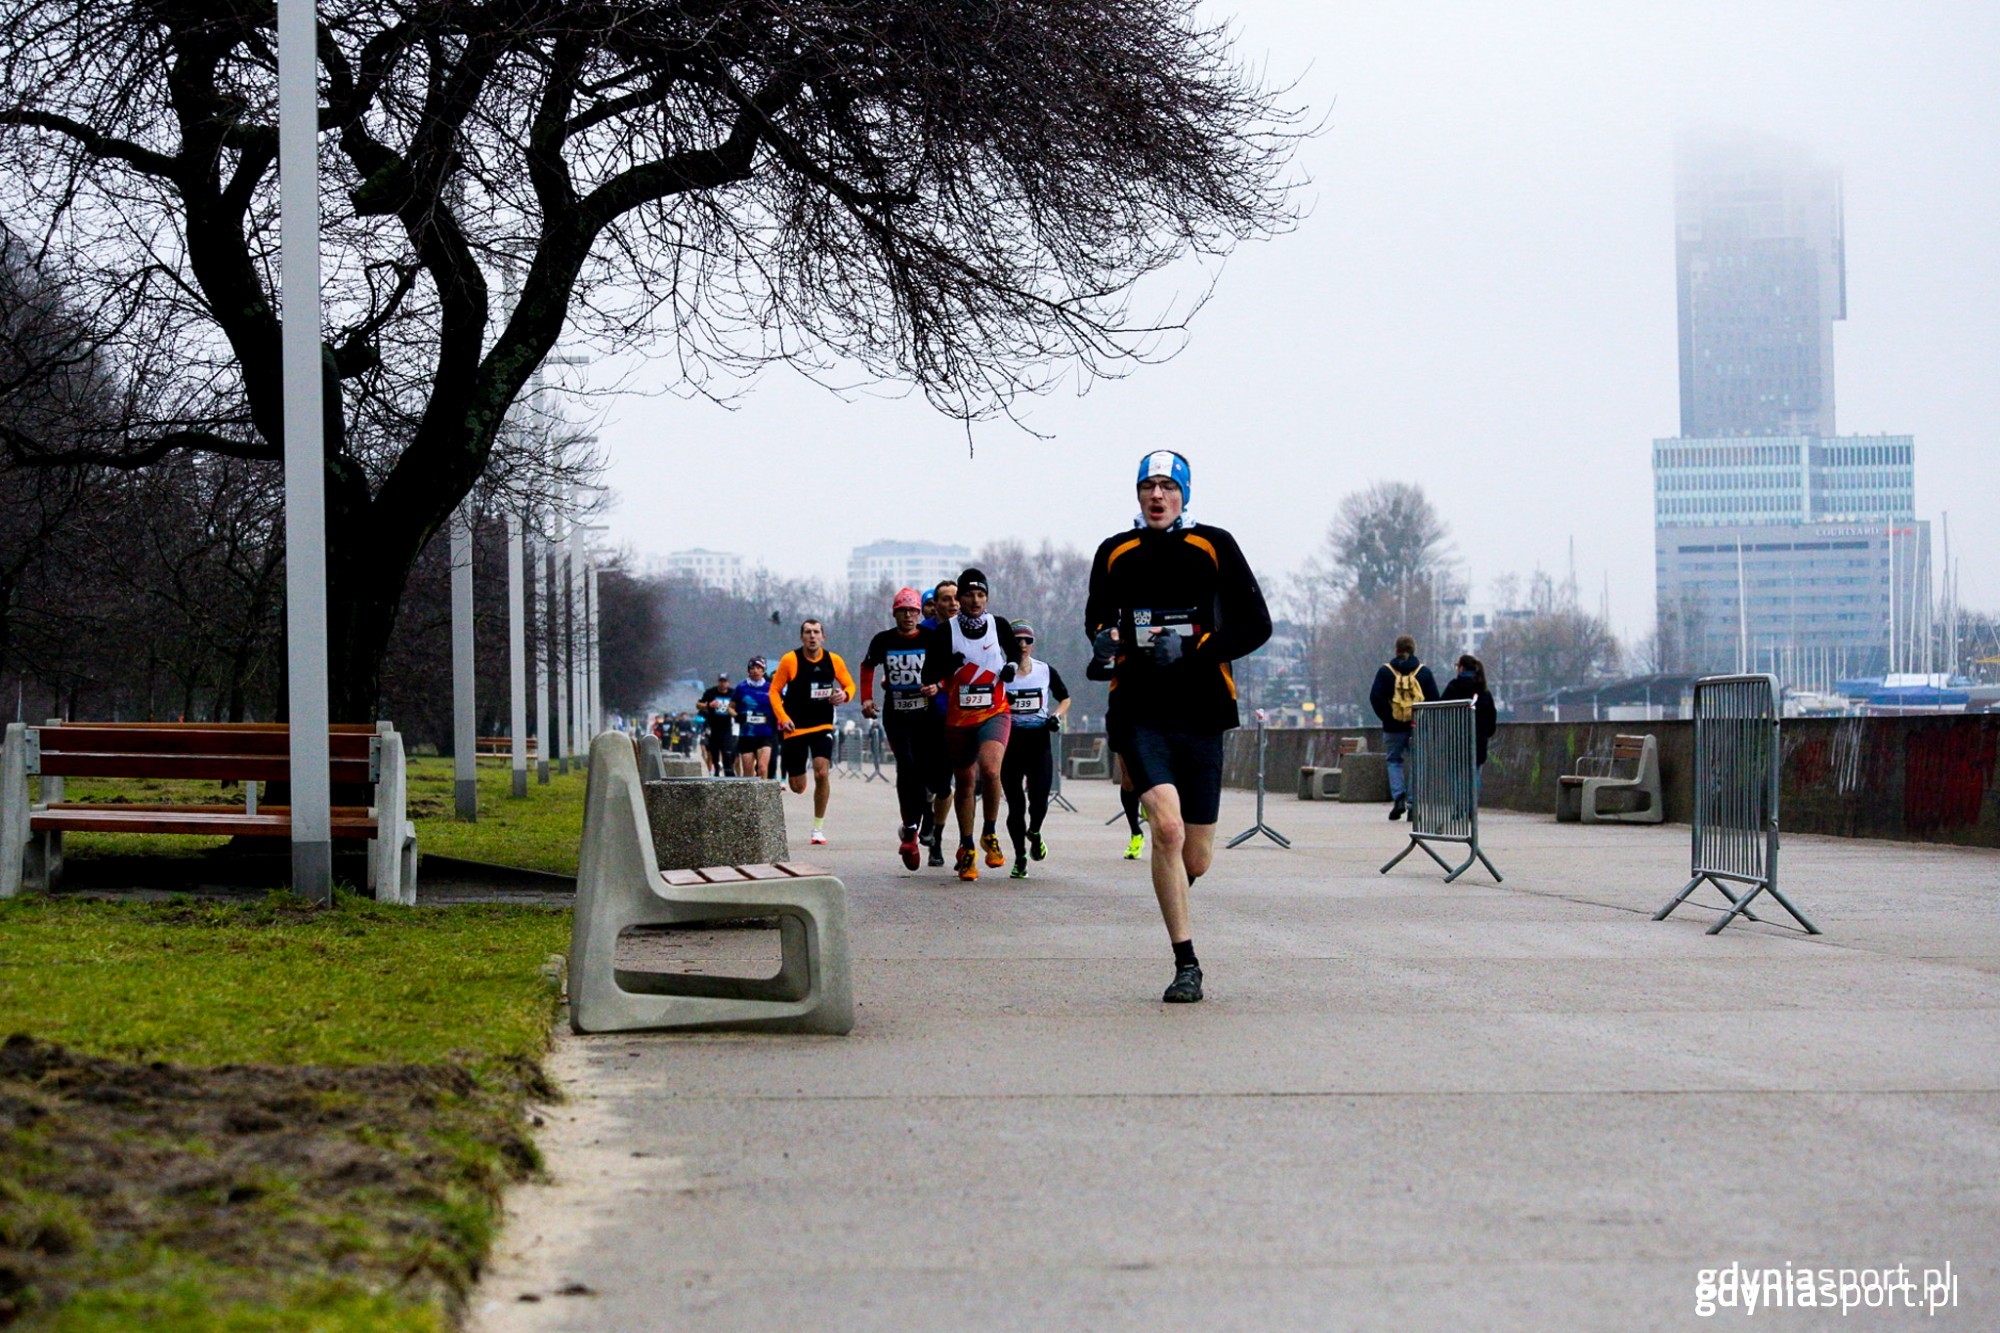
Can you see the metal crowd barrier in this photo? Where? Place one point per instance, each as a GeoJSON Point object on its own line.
{"type": "Point", "coordinates": [1736, 769]}
{"type": "Point", "coordinates": [874, 751]}
{"type": "Point", "coordinates": [1443, 798]}
{"type": "Point", "coordinates": [1260, 826]}
{"type": "Point", "coordinates": [1056, 797]}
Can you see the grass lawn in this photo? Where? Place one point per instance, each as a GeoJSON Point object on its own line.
{"type": "Point", "coordinates": [261, 1116]}
{"type": "Point", "coordinates": [539, 833]}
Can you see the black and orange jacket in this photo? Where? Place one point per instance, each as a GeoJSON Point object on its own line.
{"type": "Point", "coordinates": [1191, 581]}
{"type": "Point", "coordinates": [802, 688]}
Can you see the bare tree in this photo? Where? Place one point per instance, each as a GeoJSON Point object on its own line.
{"type": "Point", "coordinates": [1385, 541]}
{"type": "Point", "coordinates": [1556, 643]}
{"type": "Point", "coordinates": [957, 196]}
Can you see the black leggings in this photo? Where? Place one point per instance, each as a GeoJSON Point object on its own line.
{"type": "Point", "coordinates": [916, 745]}
{"type": "Point", "coordinates": [1025, 775]}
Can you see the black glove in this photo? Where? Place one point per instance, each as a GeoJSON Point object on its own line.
{"type": "Point", "coordinates": [1168, 648]}
{"type": "Point", "coordinates": [1103, 648]}
{"type": "Point", "coordinates": [1007, 673]}
{"type": "Point", "coordinates": [1055, 724]}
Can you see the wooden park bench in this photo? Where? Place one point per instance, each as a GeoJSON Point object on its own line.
{"type": "Point", "coordinates": [619, 885]}
{"type": "Point", "coordinates": [1628, 773]}
{"type": "Point", "coordinates": [362, 756]}
{"type": "Point", "coordinates": [503, 745]}
{"type": "Point", "coordinates": [1323, 784]}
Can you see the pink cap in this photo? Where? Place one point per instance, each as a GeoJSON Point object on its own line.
{"type": "Point", "coordinates": [907, 597]}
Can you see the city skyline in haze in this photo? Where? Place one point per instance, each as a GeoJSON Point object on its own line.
{"type": "Point", "coordinates": [1481, 299]}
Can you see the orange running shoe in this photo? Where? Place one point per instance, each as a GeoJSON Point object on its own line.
{"type": "Point", "coordinates": [968, 864]}
{"type": "Point", "coordinates": [994, 856]}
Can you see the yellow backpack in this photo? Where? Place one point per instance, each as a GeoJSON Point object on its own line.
{"type": "Point", "coordinates": [1403, 694]}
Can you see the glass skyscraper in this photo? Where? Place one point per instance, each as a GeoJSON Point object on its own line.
{"type": "Point", "coordinates": [1778, 545]}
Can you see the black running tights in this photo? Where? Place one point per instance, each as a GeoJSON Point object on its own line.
{"type": "Point", "coordinates": [1025, 775]}
{"type": "Point", "coordinates": [914, 745]}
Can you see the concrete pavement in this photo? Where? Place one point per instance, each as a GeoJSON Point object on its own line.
{"type": "Point", "coordinates": [1404, 1104]}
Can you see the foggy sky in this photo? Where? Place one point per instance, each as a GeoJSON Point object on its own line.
{"type": "Point", "coordinates": [1481, 299]}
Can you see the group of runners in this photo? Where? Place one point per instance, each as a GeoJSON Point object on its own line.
{"type": "Point", "coordinates": [969, 712]}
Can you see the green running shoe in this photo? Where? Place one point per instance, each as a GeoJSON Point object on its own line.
{"type": "Point", "coordinates": [1134, 847]}
{"type": "Point", "coordinates": [1020, 870]}
{"type": "Point", "coordinates": [1038, 847]}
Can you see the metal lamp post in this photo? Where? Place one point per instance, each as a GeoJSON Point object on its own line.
{"type": "Point", "coordinates": [305, 464]}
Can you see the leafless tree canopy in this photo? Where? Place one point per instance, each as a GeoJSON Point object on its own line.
{"type": "Point", "coordinates": [956, 194]}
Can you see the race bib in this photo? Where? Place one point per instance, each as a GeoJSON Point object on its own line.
{"type": "Point", "coordinates": [755, 719]}
{"type": "Point", "coordinates": [821, 690]}
{"type": "Point", "coordinates": [1150, 622]}
{"type": "Point", "coordinates": [975, 696]}
{"type": "Point", "coordinates": [909, 703]}
{"type": "Point", "coordinates": [1025, 701]}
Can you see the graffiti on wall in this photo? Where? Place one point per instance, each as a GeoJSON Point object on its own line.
{"type": "Point", "coordinates": [1947, 773]}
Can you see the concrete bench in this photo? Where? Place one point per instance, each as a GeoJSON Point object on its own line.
{"type": "Point", "coordinates": [1092, 763]}
{"type": "Point", "coordinates": [708, 821]}
{"type": "Point", "coordinates": [1364, 777]}
{"type": "Point", "coordinates": [1323, 784]}
{"type": "Point", "coordinates": [620, 885]}
{"type": "Point", "coordinates": [1599, 793]}
{"type": "Point", "coordinates": [31, 834]}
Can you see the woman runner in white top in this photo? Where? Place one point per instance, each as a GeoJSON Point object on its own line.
{"type": "Point", "coordinates": [1038, 701]}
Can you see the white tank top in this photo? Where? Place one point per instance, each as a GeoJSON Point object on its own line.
{"type": "Point", "coordinates": [1028, 695]}
{"type": "Point", "coordinates": [975, 684]}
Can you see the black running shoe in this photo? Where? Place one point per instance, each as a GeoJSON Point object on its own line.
{"type": "Point", "coordinates": [1037, 849]}
{"type": "Point", "coordinates": [1396, 810]}
{"type": "Point", "coordinates": [1186, 988]}
{"type": "Point", "coordinates": [937, 847]}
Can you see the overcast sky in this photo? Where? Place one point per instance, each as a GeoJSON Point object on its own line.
{"type": "Point", "coordinates": [1481, 299]}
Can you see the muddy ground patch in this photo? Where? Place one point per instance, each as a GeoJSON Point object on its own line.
{"type": "Point", "coordinates": [262, 1186]}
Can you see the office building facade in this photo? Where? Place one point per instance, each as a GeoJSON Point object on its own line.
{"type": "Point", "coordinates": [1761, 274]}
{"type": "Point", "coordinates": [1778, 545]}
{"type": "Point", "coordinates": [1795, 555]}
{"type": "Point", "coordinates": [903, 565]}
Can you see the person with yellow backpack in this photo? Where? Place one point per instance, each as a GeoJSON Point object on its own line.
{"type": "Point", "coordinates": [1400, 682]}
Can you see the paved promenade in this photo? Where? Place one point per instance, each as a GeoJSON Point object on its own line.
{"type": "Point", "coordinates": [1404, 1104]}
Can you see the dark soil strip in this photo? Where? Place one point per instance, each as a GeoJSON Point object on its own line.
{"type": "Point", "coordinates": [387, 1176]}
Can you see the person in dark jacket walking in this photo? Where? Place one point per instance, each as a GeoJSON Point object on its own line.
{"type": "Point", "coordinates": [1470, 683]}
{"type": "Point", "coordinates": [1400, 682]}
{"type": "Point", "coordinates": [1172, 603]}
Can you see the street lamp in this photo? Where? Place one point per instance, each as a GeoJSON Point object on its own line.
{"type": "Point", "coordinates": [305, 464]}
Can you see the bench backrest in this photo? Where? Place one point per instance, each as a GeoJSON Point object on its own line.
{"type": "Point", "coordinates": [1352, 745]}
{"type": "Point", "coordinates": [1629, 747]}
{"type": "Point", "coordinates": [254, 751]}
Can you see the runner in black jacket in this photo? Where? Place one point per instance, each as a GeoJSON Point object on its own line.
{"type": "Point", "coordinates": [1172, 603]}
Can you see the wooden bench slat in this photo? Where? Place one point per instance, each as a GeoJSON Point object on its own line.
{"type": "Point", "coordinates": [188, 740]}
{"type": "Point", "coordinates": [232, 824]}
{"type": "Point", "coordinates": [361, 728]}
{"type": "Point", "coordinates": [349, 812]}
{"type": "Point", "coordinates": [264, 768]}
{"type": "Point", "coordinates": [800, 869]}
{"type": "Point", "coordinates": [723, 874]}
{"type": "Point", "coordinates": [682, 879]}
{"type": "Point", "coordinates": [762, 872]}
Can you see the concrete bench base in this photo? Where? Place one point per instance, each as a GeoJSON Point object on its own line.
{"type": "Point", "coordinates": [703, 821]}
{"type": "Point", "coordinates": [1319, 784]}
{"type": "Point", "coordinates": [1364, 778]}
{"type": "Point", "coordinates": [619, 884]}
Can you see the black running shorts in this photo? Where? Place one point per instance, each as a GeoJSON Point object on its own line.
{"type": "Point", "coordinates": [1191, 764]}
{"type": "Point", "coordinates": [799, 750]}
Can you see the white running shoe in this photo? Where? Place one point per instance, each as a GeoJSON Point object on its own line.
{"type": "Point", "coordinates": [819, 837]}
